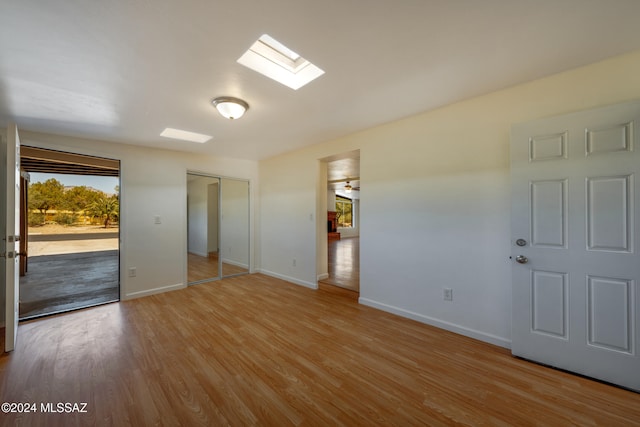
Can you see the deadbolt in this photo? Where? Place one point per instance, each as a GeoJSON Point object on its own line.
{"type": "Point", "coordinates": [521, 242]}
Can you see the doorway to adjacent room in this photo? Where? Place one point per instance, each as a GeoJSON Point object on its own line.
{"type": "Point", "coordinates": [343, 221]}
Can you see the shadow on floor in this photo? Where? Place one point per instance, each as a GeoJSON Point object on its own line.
{"type": "Point", "coordinates": [56, 283]}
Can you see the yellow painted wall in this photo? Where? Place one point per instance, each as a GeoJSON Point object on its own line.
{"type": "Point", "coordinates": [445, 175]}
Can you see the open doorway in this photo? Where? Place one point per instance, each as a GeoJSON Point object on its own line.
{"type": "Point", "coordinates": [71, 214]}
{"type": "Point", "coordinates": [343, 221]}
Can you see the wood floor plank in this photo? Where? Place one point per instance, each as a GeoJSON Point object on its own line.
{"type": "Point", "coordinates": [254, 350]}
{"type": "Point", "coordinates": [344, 263]}
{"type": "Point", "coordinates": [200, 268]}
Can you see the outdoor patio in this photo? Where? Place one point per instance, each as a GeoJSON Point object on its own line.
{"type": "Point", "coordinates": [68, 271]}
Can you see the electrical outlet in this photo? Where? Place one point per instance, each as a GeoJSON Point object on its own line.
{"type": "Point", "coordinates": [447, 294]}
{"type": "Point", "coordinates": [132, 272]}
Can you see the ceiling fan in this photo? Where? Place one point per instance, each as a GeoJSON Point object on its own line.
{"type": "Point", "coordinates": [347, 187]}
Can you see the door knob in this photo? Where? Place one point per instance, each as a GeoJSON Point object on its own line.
{"type": "Point", "coordinates": [522, 259]}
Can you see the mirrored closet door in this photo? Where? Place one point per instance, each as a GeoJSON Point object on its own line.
{"type": "Point", "coordinates": [217, 227]}
{"type": "Point", "coordinates": [203, 224]}
{"type": "Point", "coordinates": [234, 230]}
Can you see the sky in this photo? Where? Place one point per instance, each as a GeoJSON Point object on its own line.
{"type": "Point", "coordinates": [106, 184]}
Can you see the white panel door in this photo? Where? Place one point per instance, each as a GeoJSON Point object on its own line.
{"type": "Point", "coordinates": [575, 219]}
{"type": "Point", "coordinates": [11, 237]}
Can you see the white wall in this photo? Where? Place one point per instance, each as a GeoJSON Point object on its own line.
{"type": "Point", "coordinates": [331, 200]}
{"type": "Point", "coordinates": [197, 200]}
{"type": "Point", "coordinates": [448, 170]}
{"type": "Point", "coordinates": [234, 218]}
{"type": "Point", "coordinates": [153, 183]}
{"type": "Point", "coordinates": [288, 211]}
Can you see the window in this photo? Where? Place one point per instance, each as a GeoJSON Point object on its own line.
{"type": "Point", "coordinates": [344, 212]}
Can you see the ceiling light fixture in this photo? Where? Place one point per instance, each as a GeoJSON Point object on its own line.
{"type": "Point", "coordinates": [230, 107]}
{"type": "Point", "coordinates": [347, 188]}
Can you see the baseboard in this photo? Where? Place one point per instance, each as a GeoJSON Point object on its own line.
{"type": "Point", "coordinates": [234, 263]}
{"type": "Point", "coordinates": [323, 276]}
{"type": "Point", "coordinates": [153, 291]}
{"type": "Point", "coordinates": [289, 279]}
{"type": "Point", "coordinates": [202, 254]}
{"type": "Point", "coordinates": [451, 327]}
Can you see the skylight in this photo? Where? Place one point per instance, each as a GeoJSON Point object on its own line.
{"type": "Point", "coordinates": [271, 58]}
{"type": "Point", "coordinates": [184, 135]}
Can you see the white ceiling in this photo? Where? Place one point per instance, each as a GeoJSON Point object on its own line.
{"type": "Point", "coordinates": [123, 70]}
{"type": "Point", "coordinates": [343, 168]}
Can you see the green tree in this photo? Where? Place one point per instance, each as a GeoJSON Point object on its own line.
{"type": "Point", "coordinates": [80, 198]}
{"type": "Point", "coordinates": [105, 208]}
{"type": "Point", "coordinates": [344, 212]}
{"type": "Point", "coordinates": [45, 196]}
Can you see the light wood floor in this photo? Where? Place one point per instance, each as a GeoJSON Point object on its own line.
{"type": "Point", "coordinates": [344, 263]}
{"type": "Point", "coordinates": [254, 350]}
{"type": "Point", "coordinates": [203, 268]}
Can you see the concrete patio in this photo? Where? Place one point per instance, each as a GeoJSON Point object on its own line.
{"type": "Point", "coordinates": [69, 271]}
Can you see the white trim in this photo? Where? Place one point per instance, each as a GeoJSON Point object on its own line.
{"type": "Point", "coordinates": [235, 263]}
{"type": "Point", "coordinates": [289, 279]}
{"type": "Point", "coordinates": [323, 276]}
{"type": "Point", "coordinates": [451, 327]}
{"type": "Point", "coordinates": [153, 291]}
{"type": "Point", "coordinates": [202, 254]}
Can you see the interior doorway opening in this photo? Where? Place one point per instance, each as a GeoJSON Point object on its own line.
{"type": "Point", "coordinates": [343, 221]}
{"type": "Point", "coordinates": [70, 216]}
